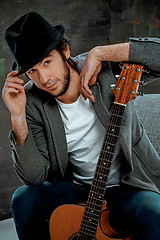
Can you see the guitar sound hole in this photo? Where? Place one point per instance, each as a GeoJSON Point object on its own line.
{"type": "Point", "coordinates": [75, 236]}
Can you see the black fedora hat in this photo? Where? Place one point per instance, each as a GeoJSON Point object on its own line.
{"type": "Point", "coordinates": [31, 38]}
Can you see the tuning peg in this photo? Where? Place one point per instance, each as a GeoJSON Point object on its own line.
{"type": "Point", "coordinates": [140, 94]}
{"type": "Point", "coordinates": [146, 70]}
{"type": "Point", "coordinates": [142, 83]}
{"type": "Point", "coordinates": [116, 77]}
{"type": "Point", "coordinates": [121, 65]}
{"type": "Point", "coordinates": [112, 86]}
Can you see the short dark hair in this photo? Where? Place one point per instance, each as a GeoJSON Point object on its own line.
{"type": "Point", "coordinates": [60, 47]}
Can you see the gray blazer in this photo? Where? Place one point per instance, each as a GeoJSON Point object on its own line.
{"type": "Point", "coordinates": [44, 157]}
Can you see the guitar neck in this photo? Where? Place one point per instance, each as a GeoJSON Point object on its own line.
{"type": "Point", "coordinates": [108, 149]}
{"type": "Point", "coordinates": [98, 188]}
{"type": "Point", "coordinates": [124, 91]}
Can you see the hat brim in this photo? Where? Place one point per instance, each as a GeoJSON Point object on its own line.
{"type": "Point", "coordinates": [52, 45]}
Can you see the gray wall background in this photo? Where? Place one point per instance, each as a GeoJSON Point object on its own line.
{"type": "Point", "coordinates": [88, 23]}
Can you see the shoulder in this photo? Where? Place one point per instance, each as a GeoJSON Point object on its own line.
{"type": "Point", "coordinates": [79, 60]}
{"type": "Point", "coordinates": [145, 40]}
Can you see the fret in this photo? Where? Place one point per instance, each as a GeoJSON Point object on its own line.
{"type": "Point", "coordinates": [93, 192]}
{"type": "Point", "coordinates": [89, 224]}
{"type": "Point", "coordinates": [88, 233]}
{"type": "Point", "coordinates": [113, 130]}
{"type": "Point", "coordinates": [101, 167]}
{"type": "Point", "coordinates": [110, 139]}
{"type": "Point", "coordinates": [97, 174]}
{"type": "Point", "coordinates": [104, 164]}
{"type": "Point", "coordinates": [99, 181]}
{"type": "Point", "coordinates": [91, 227]}
{"type": "Point", "coordinates": [105, 157]}
{"type": "Point", "coordinates": [96, 215]}
{"type": "Point", "coordinates": [92, 210]}
{"type": "Point", "coordinates": [117, 126]}
{"type": "Point", "coordinates": [100, 189]}
{"type": "Point", "coordinates": [100, 186]}
{"type": "Point", "coordinates": [109, 147]}
{"type": "Point", "coordinates": [96, 187]}
{"type": "Point", "coordinates": [111, 144]}
{"type": "Point", "coordinates": [101, 175]}
{"type": "Point", "coordinates": [112, 114]}
{"type": "Point", "coordinates": [107, 160]}
{"type": "Point", "coordinates": [110, 134]}
{"type": "Point", "coordinates": [92, 221]}
{"type": "Point", "coordinates": [95, 198]}
{"type": "Point", "coordinates": [95, 204]}
{"type": "Point", "coordinates": [106, 152]}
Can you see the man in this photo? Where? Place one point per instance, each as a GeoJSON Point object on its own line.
{"type": "Point", "coordinates": [56, 135]}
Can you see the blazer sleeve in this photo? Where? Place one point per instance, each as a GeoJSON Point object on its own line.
{"type": "Point", "coordinates": [31, 160]}
{"type": "Point", "coordinates": [146, 51]}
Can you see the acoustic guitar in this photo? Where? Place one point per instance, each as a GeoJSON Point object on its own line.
{"type": "Point", "coordinates": [91, 222]}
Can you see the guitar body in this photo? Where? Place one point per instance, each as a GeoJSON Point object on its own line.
{"type": "Point", "coordinates": [66, 219]}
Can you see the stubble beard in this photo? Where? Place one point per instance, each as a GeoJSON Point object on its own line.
{"type": "Point", "coordinates": [66, 82]}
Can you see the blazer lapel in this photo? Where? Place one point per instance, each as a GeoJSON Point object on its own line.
{"type": "Point", "coordinates": [104, 116]}
{"type": "Point", "coordinates": [58, 134]}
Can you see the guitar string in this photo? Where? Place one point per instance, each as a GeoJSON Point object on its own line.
{"type": "Point", "coordinates": [112, 120]}
{"type": "Point", "coordinates": [87, 214]}
{"type": "Point", "coordinates": [109, 130]}
{"type": "Point", "coordinates": [105, 153]}
{"type": "Point", "coordinates": [103, 170]}
{"type": "Point", "coordinates": [105, 141]}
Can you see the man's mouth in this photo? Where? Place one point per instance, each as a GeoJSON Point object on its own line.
{"type": "Point", "coordinates": [52, 84]}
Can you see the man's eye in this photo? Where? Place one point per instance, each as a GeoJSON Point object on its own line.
{"type": "Point", "coordinates": [31, 71]}
{"type": "Point", "coordinates": [46, 63]}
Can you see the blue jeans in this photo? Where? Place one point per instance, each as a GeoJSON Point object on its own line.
{"type": "Point", "coordinates": [32, 206]}
{"type": "Point", "coordinates": [135, 211]}
{"type": "Point", "coordinates": [131, 210]}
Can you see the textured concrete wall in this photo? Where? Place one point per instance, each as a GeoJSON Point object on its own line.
{"type": "Point", "coordinates": [88, 23]}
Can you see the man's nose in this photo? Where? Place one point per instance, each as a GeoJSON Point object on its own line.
{"type": "Point", "coordinates": [43, 76]}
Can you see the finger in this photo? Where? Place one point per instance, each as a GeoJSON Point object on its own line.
{"type": "Point", "coordinates": [12, 90]}
{"type": "Point", "coordinates": [84, 84]}
{"type": "Point", "coordinates": [85, 98]}
{"type": "Point", "coordinates": [86, 89]}
{"type": "Point", "coordinates": [15, 85]}
{"type": "Point", "coordinates": [13, 73]}
{"type": "Point", "coordinates": [86, 95]}
{"type": "Point", "coordinates": [14, 79]}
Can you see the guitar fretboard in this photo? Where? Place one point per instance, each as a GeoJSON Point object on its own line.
{"type": "Point", "coordinates": [96, 196]}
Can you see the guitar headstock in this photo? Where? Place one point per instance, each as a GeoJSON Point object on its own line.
{"type": "Point", "coordinates": [127, 84]}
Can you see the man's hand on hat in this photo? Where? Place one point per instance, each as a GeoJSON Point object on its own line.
{"type": "Point", "coordinates": [13, 94]}
{"type": "Point", "coordinates": [90, 70]}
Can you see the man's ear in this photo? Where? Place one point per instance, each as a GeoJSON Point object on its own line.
{"type": "Point", "coordinates": [67, 52]}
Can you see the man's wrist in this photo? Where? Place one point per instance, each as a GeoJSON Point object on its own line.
{"type": "Point", "coordinates": [20, 128]}
{"type": "Point", "coordinates": [115, 52]}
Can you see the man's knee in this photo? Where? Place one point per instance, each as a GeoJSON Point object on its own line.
{"type": "Point", "coordinates": [24, 197]}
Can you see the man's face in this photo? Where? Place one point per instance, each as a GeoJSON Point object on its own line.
{"type": "Point", "coordinates": [52, 74]}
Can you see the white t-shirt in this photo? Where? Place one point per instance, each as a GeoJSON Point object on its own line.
{"type": "Point", "coordinates": [85, 135]}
